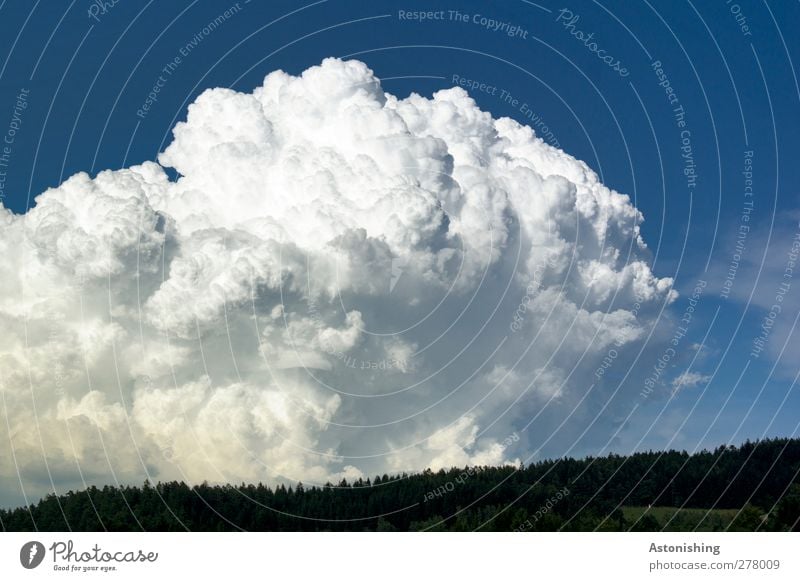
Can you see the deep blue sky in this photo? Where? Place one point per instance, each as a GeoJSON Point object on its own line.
{"type": "Point", "coordinates": [87, 77]}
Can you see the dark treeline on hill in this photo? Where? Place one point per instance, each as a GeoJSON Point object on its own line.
{"type": "Point", "coordinates": [751, 487]}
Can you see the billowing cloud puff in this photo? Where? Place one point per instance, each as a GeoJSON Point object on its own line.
{"type": "Point", "coordinates": [339, 282]}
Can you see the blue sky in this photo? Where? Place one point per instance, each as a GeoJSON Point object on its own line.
{"type": "Point", "coordinates": [85, 72]}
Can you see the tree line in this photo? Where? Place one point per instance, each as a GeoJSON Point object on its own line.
{"type": "Point", "coordinates": [757, 479]}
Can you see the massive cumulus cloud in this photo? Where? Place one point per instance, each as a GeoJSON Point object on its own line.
{"type": "Point", "coordinates": [339, 282]}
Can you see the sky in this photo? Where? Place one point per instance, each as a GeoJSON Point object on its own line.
{"type": "Point", "coordinates": [204, 318]}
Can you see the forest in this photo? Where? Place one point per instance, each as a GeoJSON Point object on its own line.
{"type": "Point", "coordinates": [751, 487]}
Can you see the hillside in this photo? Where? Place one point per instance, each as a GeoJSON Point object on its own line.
{"type": "Point", "coordinates": [751, 487]}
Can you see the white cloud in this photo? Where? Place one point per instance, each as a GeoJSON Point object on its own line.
{"type": "Point", "coordinates": [238, 323]}
{"type": "Point", "coordinates": [689, 379]}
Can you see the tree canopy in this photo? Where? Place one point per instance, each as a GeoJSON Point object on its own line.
{"type": "Point", "coordinates": [754, 486]}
